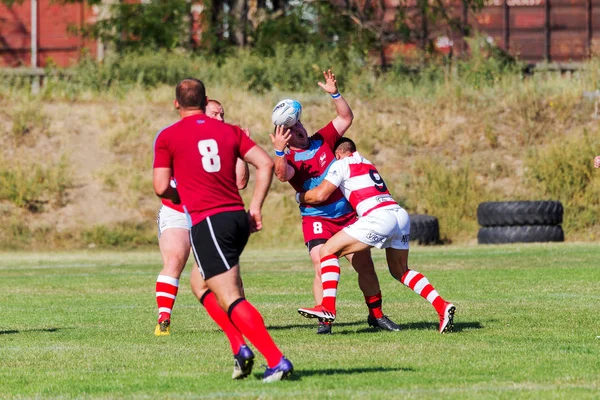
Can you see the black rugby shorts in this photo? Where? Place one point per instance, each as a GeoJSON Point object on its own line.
{"type": "Point", "coordinates": [218, 241]}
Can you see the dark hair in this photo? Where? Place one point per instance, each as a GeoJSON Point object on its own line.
{"type": "Point", "coordinates": [345, 144]}
{"type": "Point", "coordinates": [191, 93]}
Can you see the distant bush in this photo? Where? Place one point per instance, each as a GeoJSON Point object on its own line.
{"type": "Point", "coordinates": [30, 185]}
{"type": "Point", "coordinates": [564, 171]}
{"type": "Point", "coordinates": [125, 234]}
{"type": "Point", "coordinates": [450, 193]}
{"type": "Point", "coordinates": [284, 67]}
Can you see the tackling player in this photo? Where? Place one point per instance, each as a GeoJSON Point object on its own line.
{"type": "Point", "coordinates": [304, 165]}
{"type": "Point", "coordinates": [382, 223]}
{"type": "Point", "coordinates": [200, 153]}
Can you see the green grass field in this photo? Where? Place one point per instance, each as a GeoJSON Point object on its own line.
{"type": "Point", "coordinates": [81, 325]}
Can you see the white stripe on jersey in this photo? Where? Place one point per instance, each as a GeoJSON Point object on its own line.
{"type": "Point", "coordinates": [350, 184]}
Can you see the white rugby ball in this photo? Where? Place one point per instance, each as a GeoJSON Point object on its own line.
{"type": "Point", "coordinates": [287, 112]}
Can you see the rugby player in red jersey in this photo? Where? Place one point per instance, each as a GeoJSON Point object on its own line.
{"type": "Point", "coordinates": [304, 165]}
{"type": "Point", "coordinates": [174, 244]}
{"type": "Point", "coordinates": [200, 154]}
{"type": "Point", "coordinates": [381, 223]}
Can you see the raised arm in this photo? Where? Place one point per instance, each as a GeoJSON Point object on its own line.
{"type": "Point", "coordinates": [264, 174]}
{"type": "Point", "coordinates": [280, 139]}
{"type": "Point", "coordinates": [344, 117]}
{"type": "Point", "coordinates": [317, 195]}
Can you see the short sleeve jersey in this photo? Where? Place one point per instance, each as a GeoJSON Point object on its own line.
{"type": "Point", "coordinates": [202, 153]}
{"type": "Point", "coordinates": [361, 184]}
{"type": "Point", "coordinates": [310, 167]}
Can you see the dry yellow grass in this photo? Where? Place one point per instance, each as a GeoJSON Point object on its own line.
{"type": "Point", "coordinates": [442, 149]}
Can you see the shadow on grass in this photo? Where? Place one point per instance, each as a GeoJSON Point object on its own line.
{"type": "Point", "coordinates": [458, 326]}
{"type": "Point", "coordinates": [15, 331]}
{"type": "Point", "coordinates": [309, 325]}
{"type": "Point", "coordinates": [305, 373]}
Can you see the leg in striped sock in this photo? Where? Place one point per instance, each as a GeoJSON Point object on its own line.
{"type": "Point", "coordinates": [421, 286]}
{"type": "Point", "coordinates": [398, 264]}
{"type": "Point", "coordinates": [166, 292]}
{"type": "Point", "coordinates": [330, 277]}
{"type": "Point", "coordinates": [174, 245]}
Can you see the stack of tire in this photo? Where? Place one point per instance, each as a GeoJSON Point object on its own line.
{"type": "Point", "coordinates": [424, 229]}
{"type": "Point", "coordinates": [520, 222]}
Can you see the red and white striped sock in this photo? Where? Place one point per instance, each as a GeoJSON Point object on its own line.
{"type": "Point", "coordinates": [420, 285]}
{"type": "Point", "coordinates": [330, 276]}
{"type": "Point", "coordinates": [166, 292]}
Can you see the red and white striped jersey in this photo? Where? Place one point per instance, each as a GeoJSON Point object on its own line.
{"type": "Point", "coordinates": [361, 184]}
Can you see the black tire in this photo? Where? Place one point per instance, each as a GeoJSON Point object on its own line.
{"type": "Point", "coordinates": [520, 234]}
{"type": "Point", "coordinates": [511, 213]}
{"type": "Point", "coordinates": [425, 229]}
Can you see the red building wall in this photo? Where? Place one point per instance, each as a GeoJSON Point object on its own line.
{"type": "Point", "coordinates": [56, 45]}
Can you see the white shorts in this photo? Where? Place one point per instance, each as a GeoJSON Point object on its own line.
{"type": "Point", "coordinates": [382, 228]}
{"type": "Point", "coordinates": [169, 218]}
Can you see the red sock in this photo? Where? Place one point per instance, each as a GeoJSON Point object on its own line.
{"type": "Point", "coordinates": [330, 276]}
{"type": "Point", "coordinates": [166, 292]}
{"type": "Point", "coordinates": [249, 321]}
{"type": "Point", "coordinates": [236, 340]}
{"type": "Point", "coordinates": [420, 285]}
{"type": "Point", "coordinates": [374, 304]}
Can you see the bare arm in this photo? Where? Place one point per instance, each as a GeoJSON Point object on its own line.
{"type": "Point", "coordinates": [317, 195]}
{"type": "Point", "coordinates": [161, 180]}
{"type": "Point", "coordinates": [242, 173]}
{"type": "Point", "coordinates": [344, 117]}
{"type": "Point", "coordinates": [280, 139]}
{"type": "Point", "coordinates": [264, 174]}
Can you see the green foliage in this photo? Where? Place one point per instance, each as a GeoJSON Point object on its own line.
{"type": "Point", "coordinates": [452, 193]}
{"type": "Point", "coordinates": [487, 64]}
{"type": "Point", "coordinates": [564, 171]}
{"type": "Point", "coordinates": [318, 25]}
{"type": "Point", "coordinates": [30, 185]}
{"type": "Point", "coordinates": [27, 117]}
{"type": "Point", "coordinates": [153, 25]}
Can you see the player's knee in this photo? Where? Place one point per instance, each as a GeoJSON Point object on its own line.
{"type": "Point", "coordinates": [324, 251]}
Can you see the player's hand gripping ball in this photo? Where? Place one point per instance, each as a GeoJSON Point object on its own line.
{"type": "Point", "coordinates": [286, 113]}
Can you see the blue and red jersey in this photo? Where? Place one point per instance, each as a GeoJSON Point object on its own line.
{"type": "Point", "coordinates": [311, 166]}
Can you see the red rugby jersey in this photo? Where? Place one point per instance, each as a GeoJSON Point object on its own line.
{"type": "Point", "coordinates": [202, 153]}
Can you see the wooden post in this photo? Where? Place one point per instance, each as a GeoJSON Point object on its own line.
{"type": "Point", "coordinates": [35, 81]}
{"type": "Point", "coordinates": [547, 31]}
{"type": "Point", "coordinates": [589, 26]}
{"type": "Point", "coordinates": [506, 25]}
